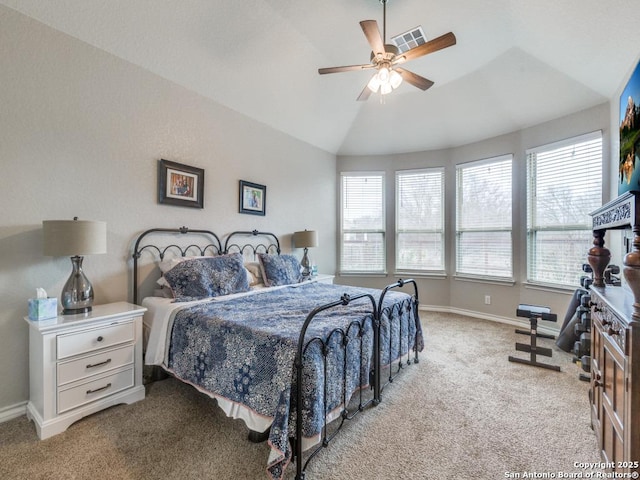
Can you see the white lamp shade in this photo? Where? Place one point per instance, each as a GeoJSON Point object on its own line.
{"type": "Point", "coordinates": [305, 239]}
{"type": "Point", "coordinates": [395, 79]}
{"type": "Point", "coordinates": [74, 237]}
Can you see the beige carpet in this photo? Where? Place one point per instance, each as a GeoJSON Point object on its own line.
{"type": "Point", "coordinates": [463, 412]}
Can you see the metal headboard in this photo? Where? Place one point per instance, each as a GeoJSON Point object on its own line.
{"type": "Point", "coordinates": [233, 243]}
{"type": "Point", "coordinates": [214, 246]}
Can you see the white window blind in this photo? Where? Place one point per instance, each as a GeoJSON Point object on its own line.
{"type": "Point", "coordinates": [362, 223]}
{"type": "Point", "coordinates": [420, 220]}
{"type": "Point", "coordinates": [564, 184]}
{"type": "Point", "coordinates": [483, 218]}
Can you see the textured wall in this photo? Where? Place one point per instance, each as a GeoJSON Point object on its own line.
{"type": "Point", "coordinates": [81, 132]}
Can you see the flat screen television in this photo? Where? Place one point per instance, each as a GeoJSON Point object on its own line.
{"type": "Point", "coordinates": [629, 161]}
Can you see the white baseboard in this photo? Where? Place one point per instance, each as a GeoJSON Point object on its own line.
{"type": "Point", "coordinates": [13, 411]}
{"type": "Point", "coordinates": [492, 318]}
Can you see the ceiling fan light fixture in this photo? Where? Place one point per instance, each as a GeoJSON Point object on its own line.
{"type": "Point", "coordinates": [385, 88]}
{"type": "Point", "coordinates": [374, 83]}
{"type": "Point", "coordinates": [383, 75]}
{"type": "Point", "coordinates": [395, 79]}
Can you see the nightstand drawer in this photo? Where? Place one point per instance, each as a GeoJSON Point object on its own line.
{"type": "Point", "coordinates": [104, 386]}
{"type": "Point", "coordinates": [71, 344]}
{"type": "Point", "coordinates": [93, 364]}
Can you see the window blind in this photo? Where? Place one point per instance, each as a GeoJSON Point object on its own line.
{"type": "Point", "coordinates": [564, 184]}
{"type": "Point", "coordinates": [483, 218]}
{"type": "Point", "coordinates": [420, 220]}
{"type": "Point", "coordinates": [362, 223]}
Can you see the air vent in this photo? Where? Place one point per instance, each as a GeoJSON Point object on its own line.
{"type": "Point", "coordinates": [408, 40]}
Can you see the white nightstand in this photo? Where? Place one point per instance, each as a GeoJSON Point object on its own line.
{"type": "Point", "coordinates": [81, 364]}
{"type": "Point", "coordinates": [322, 278]}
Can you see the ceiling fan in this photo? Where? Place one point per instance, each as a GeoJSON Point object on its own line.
{"type": "Point", "coordinates": [386, 58]}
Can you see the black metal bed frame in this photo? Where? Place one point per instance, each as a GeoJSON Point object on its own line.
{"type": "Point", "coordinates": [378, 311]}
{"type": "Point", "coordinates": [161, 252]}
{"type": "Point", "coordinates": [375, 375]}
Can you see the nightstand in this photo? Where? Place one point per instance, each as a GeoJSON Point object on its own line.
{"type": "Point", "coordinates": [81, 364]}
{"type": "Point", "coordinates": [322, 278]}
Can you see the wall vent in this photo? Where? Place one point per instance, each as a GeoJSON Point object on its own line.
{"type": "Point", "coordinates": [410, 39]}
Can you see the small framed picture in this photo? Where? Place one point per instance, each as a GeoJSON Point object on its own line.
{"type": "Point", "coordinates": [180, 184]}
{"type": "Point", "coordinates": [253, 198]}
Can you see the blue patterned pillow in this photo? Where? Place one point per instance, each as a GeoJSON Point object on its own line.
{"type": "Point", "coordinates": [280, 269]}
{"type": "Point", "coordinates": [208, 277]}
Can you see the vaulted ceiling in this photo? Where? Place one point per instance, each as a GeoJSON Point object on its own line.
{"type": "Point", "coordinates": [517, 63]}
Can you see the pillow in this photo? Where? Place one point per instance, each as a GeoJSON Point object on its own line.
{"type": "Point", "coordinates": [280, 269]}
{"type": "Point", "coordinates": [163, 292]}
{"type": "Point", "coordinates": [255, 273]}
{"type": "Point", "coordinates": [205, 277]}
{"type": "Point", "coordinates": [168, 264]}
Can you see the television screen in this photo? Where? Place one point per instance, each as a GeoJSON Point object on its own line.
{"type": "Point", "coordinates": [629, 168]}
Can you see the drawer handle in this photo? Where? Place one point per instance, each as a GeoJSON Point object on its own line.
{"type": "Point", "coordinates": [596, 381]}
{"type": "Point", "coordinates": [100, 338]}
{"type": "Point", "coordinates": [108, 360]}
{"type": "Point", "coordinates": [99, 389]}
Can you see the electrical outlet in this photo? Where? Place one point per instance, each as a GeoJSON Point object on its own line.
{"type": "Point", "coordinates": [487, 299]}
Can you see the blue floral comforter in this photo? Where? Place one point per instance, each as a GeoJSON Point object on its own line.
{"type": "Point", "coordinates": [244, 349]}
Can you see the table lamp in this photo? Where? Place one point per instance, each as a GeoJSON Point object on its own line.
{"type": "Point", "coordinates": [305, 239]}
{"type": "Point", "coordinates": [75, 238]}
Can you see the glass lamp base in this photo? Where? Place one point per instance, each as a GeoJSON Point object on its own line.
{"type": "Point", "coordinates": [75, 311]}
{"type": "Point", "coordinates": [77, 294]}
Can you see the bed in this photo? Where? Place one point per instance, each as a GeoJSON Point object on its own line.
{"type": "Point", "coordinates": [294, 359]}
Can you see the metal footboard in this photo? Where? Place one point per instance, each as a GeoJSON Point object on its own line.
{"type": "Point", "coordinates": [375, 380]}
{"type": "Point", "coordinates": [344, 336]}
{"type": "Point", "coordinates": [393, 314]}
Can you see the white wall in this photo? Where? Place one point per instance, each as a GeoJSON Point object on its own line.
{"type": "Point", "coordinates": [464, 295]}
{"type": "Point", "coordinates": [81, 132]}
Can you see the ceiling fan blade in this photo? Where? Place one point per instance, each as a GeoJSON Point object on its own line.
{"type": "Point", "coordinates": [346, 68]}
{"type": "Point", "coordinates": [443, 41]}
{"type": "Point", "coordinates": [372, 32]}
{"type": "Point", "coordinates": [364, 95]}
{"type": "Point", "coordinates": [414, 79]}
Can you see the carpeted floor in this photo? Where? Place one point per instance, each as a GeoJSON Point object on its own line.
{"type": "Point", "coordinates": [463, 412]}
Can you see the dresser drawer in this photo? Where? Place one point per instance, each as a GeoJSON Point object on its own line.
{"type": "Point", "coordinates": [71, 344]}
{"type": "Point", "coordinates": [80, 368]}
{"type": "Point", "coordinates": [79, 394]}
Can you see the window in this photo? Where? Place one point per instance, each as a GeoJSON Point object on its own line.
{"type": "Point", "coordinates": [483, 218]}
{"type": "Point", "coordinates": [420, 220]}
{"type": "Point", "coordinates": [362, 223]}
{"type": "Point", "coordinates": [564, 184]}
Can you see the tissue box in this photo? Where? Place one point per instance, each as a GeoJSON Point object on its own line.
{"type": "Point", "coordinates": [43, 308]}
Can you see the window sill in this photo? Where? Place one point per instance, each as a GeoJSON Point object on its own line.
{"type": "Point", "coordinates": [495, 281]}
{"type": "Point", "coordinates": [549, 287]}
{"type": "Point", "coordinates": [433, 275]}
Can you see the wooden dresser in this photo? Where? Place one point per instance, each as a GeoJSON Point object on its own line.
{"type": "Point", "coordinates": [615, 342]}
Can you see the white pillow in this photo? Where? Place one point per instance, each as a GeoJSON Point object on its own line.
{"type": "Point", "coordinates": [255, 273]}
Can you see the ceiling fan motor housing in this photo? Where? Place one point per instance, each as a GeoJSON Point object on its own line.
{"type": "Point", "coordinates": [390, 53]}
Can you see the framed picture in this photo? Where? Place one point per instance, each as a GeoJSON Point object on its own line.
{"type": "Point", "coordinates": [180, 184]}
{"type": "Point", "coordinates": [253, 198]}
{"type": "Point", "coordinates": [629, 161]}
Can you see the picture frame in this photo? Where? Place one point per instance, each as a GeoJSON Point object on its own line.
{"type": "Point", "coordinates": [180, 185]}
{"type": "Point", "coordinates": [253, 198]}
